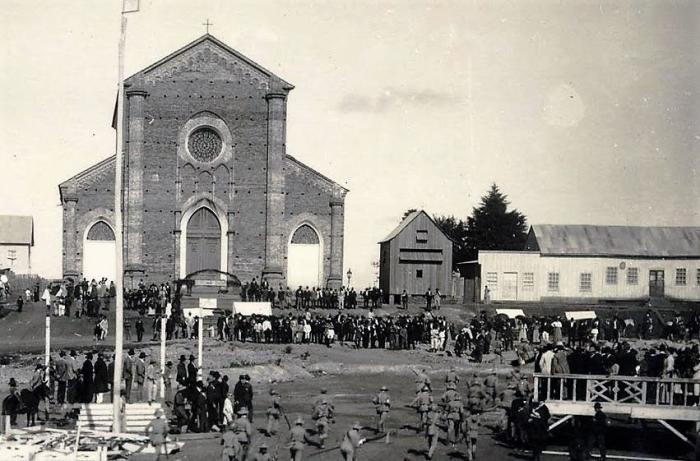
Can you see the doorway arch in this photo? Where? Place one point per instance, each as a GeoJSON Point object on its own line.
{"type": "Point", "coordinates": [209, 228]}
{"type": "Point", "coordinates": [305, 257]}
{"type": "Point", "coordinates": [99, 255]}
{"type": "Point", "coordinates": [203, 241]}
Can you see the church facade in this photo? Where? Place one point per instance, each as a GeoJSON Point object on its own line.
{"type": "Point", "coordinates": [207, 181]}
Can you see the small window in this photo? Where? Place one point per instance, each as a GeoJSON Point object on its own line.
{"type": "Point", "coordinates": [632, 276]}
{"type": "Point", "coordinates": [421, 236]}
{"type": "Point", "coordinates": [681, 276]}
{"type": "Point", "coordinates": [585, 281]}
{"type": "Point", "coordinates": [697, 276]}
{"type": "Point", "coordinates": [419, 273]}
{"type": "Point", "coordinates": [553, 281]}
{"type": "Point", "coordinates": [611, 276]}
{"type": "Point", "coordinates": [492, 280]}
{"type": "Point", "coordinates": [528, 281]}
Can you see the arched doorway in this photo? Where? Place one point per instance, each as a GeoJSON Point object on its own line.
{"type": "Point", "coordinates": [99, 258]}
{"type": "Point", "coordinates": [304, 258]}
{"type": "Point", "coordinates": [203, 241]}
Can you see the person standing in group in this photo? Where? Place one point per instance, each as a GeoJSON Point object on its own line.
{"type": "Point", "coordinates": [168, 382]}
{"type": "Point", "coordinates": [140, 376]}
{"type": "Point", "coordinates": [152, 374]}
{"type": "Point", "coordinates": [128, 374]}
{"type": "Point", "coordinates": [87, 374]}
{"type": "Point", "coordinates": [599, 429]}
{"type": "Point", "coordinates": [438, 299]}
{"type": "Point", "coordinates": [139, 329]}
{"type": "Point", "coordinates": [181, 376]}
{"type": "Point", "coordinates": [61, 377]}
{"type": "Point", "coordinates": [404, 300]}
{"type": "Point", "coordinates": [73, 369]}
{"type": "Point", "coordinates": [101, 378]}
{"type": "Point", "coordinates": [538, 429]}
{"type": "Point", "coordinates": [382, 404]}
{"type": "Point", "coordinates": [428, 299]}
{"type": "Point", "coordinates": [273, 414]}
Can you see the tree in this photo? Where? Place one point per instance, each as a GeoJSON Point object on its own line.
{"type": "Point", "coordinates": [493, 227]}
{"type": "Point", "coordinates": [456, 230]}
{"type": "Point", "coordinates": [407, 212]}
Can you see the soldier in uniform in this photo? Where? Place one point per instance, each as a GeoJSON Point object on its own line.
{"type": "Point", "coordinates": [491, 388]}
{"type": "Point", "coordinates": [476, 396]}
{"type": "Point", "coordinates": [471, 433]}
{"type": "Point", "coordinates": [452, 377]}
{"type": "Point", "coordinates": [422, 403]}
{"type": "Point", "coordinates": [322, 414]}
{"type": "Point", "coordinates": [273, 414]}
{"type": "Point", "coordinates": [351, 442]}
{"type": "Point", "coordinates": [297, 439]}
{"type": "Point", "coordinates": [422, 380]}
{"type": "Point", "coordinates": [432, 432]}
{"type": "Point", "coordinates": [449, 394]}
{"type": "Point", "coordinates": [244, 432]}
{"type": "Point", "coordinates": [262, 454]}
{"type": "Point", "coordinates": [382, 404]}
{"type": "Point", "coordinates": [157, 431]}
{"type": "Point", "coordinates": [455, 415]}
{"type": "Point", "coordinates": [232, 449]}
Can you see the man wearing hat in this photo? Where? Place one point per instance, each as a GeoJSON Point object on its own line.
{"type": "Point", "coordinates": [599, 428]}
{"type": "Point", "coordinates": [157, 431]}
{"type": "Point", "coordinates": [262, 454]}
{"type": "Point", "coordinates": [140, 375]}
{"type": "Point", "coordinates": [181, 376]}
{"type": "Point", "coordinates": [11, 403]}
{"type": "Point", "coordinates": [351, 442]}
{"type": "Point", "coordinates": [72, 371]}
{"type": "Point", "coordinates": [322, 415]}
{"type": "Point", "coordinates": [244, 432]}
{"type": "Point", "coordinates": [297, 439]}
{"type": "Point", "coordinates": [128, 373]}
{"type": "Point", "coordinates": [192, 371]}
{"type": "Point", "coordinates": [431, 431]}
{"type": "Point", "coordinates": [273, 413]}
{"type": "Point", "coordinates": [382, 404]}
{"type": "Point", "coordinates": [422, 404]}
{"type": "Point", "coordinates": [62, 377]}
{"type": "Point", "coordinates": [455, 415]}
{"type": "Point", "coordinates": [231, 448]}
{"type": "Point", "coordinates": [168, 381]}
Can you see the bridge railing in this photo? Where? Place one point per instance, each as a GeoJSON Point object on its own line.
{"type": "Point", "coordinates": [625, 390]}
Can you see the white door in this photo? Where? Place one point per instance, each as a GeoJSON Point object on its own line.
{"type": "Point", "coordinates": [509, 292]}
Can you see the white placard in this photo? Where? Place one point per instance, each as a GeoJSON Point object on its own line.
{"type": "Point", "coordinates": [511, 313]}
{"type": "Point", "coordinates": [207, 303]}
{"type": "Point", "coordinates": [580, 315]}
{"type": "Point", "coordinates": [252, 308]}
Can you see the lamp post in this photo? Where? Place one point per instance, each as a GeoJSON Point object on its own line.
{"type": "Point", "coordinates": [349, 274]}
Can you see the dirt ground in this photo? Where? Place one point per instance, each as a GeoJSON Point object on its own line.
{"type": "Point", "coordinates": [352, 377]}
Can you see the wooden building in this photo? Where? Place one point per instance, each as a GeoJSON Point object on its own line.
{"type": "Point", "coordinates": [592, 263]}
{"type": "Point", "coordinates": [16, 242]}
{"type": "Point", "coordinates": [416, 256]}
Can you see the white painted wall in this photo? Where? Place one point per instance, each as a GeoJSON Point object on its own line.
{"type": "Point", "coordinates": [99, 259]}
{"type": "Point", "coordinates": [570, 268]}
{"type": "Point", "coordinates": [21, 263]}
{"type": "Point", "coordinates": [303, 266]}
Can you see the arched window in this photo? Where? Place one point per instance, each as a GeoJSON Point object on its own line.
{"type": "Point", "coordinates": [304, 258]}
{"type": "Point", "coordinates": [305, 234]}
{"type": "Point", "coordinates": [100, 231]}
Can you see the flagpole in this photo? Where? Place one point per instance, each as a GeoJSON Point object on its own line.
{"type": "Point", "coordinates": [118, 237]}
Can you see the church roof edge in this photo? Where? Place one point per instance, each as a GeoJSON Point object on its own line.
{"type": "Point", "coordinates": [321, 176]}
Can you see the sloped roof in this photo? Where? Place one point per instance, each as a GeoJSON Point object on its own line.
{"type": "Point", "coordinates": [17, 230]}
{"type": "Point", "coordinates": [406, 221]}
{"type": "Point", "coordinates": [634, 241]}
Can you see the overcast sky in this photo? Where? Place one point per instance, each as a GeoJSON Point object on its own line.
{"type": "Point", "coordinates": [582, 112]}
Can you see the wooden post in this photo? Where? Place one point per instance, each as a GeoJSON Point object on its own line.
{"type": "Point", "coordinates": [77, 442]}
{"type": "Point", "coordinates": [163, 320]}
{"type": "Point", "coordinates": [200, 338]}
{"type": "Point", "coordinates": [48, 347]}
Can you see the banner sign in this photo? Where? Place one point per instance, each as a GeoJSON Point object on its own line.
{"type": "Point", "coordinates": [252, 308]}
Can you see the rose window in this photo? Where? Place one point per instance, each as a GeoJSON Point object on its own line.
{"type": "Point", "coordinates": [204, 144]}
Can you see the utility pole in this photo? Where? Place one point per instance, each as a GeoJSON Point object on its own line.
{"type": "Point", "coordinates": [128, 7]}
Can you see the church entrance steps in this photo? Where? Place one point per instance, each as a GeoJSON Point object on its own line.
{"type": "Point", "coordinates": [99, 416]}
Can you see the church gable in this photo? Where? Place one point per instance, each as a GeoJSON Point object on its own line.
{"type": "Point", "coordinates": [313, 177]}
{"type": "Point", "coordinates": [96, 174]}
{"type": "Point", "coordinates": [212, 58]}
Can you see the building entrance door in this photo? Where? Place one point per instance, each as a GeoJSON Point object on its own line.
{"type": "Point", "coordinates": [203, 241]}
{"type": "Point", "coordinates": [656, 283]}
{"type": "Point", "coordinates": [510, 286]}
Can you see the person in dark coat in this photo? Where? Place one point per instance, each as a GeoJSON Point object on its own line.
{"type": "Point", "coordinates": [192, 371]}
{"type": "Point", "coordinates": [181, 376]}
{"type": "Point", "coordinates": [538, 429]}
{"type": "Point", "coordinates": [87, 377]}
{"type": "Point", "coordinates": [101, 378]}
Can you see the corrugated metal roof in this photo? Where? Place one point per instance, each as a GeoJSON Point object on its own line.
{"type": "Point", "coordinates": [407, 220]}
{"type": "Point", "coordinates": [16, 230]}
{"type": "Point", "coordinates": [588, 240]}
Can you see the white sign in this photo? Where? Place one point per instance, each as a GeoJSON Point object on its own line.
{"type": "Point", "coordinates": [252, 308]}
{"type": "Point", "coordinates": [511, 313]}
{"type": "Point", "coordinates": [196, 312]}
{"type": "Point", "coordinates": [207, 303]}
{"type": "Point", "coordinates": [580, 315]}
{"type": "Point", "coordinates": [210, 283]}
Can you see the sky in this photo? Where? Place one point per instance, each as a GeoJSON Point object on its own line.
{"type": "Point", "coordinates": [582, 112]}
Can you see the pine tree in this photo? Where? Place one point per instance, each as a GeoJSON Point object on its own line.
{"type": "Point", "coordinates": [493, 227]}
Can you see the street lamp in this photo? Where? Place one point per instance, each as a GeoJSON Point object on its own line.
{"type": "Point", "coordinates": [349, 274]}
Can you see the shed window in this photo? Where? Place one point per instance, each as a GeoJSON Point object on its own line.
{"type": "Point", "coordinates": [632, 276]}
{"type": "Point", "coordinates": [492, 280]}
{"type": "Point", "coordinates": [421, 236]}
{"type": "Point", "coordinates": [586, 281]}
{"type": "Point", "coordinates": [611, 276]}
{"type": "Point", "coordinates": [528, 281]}
{"type": "Point", "coordinates": [553, 281]}
{"type": "Point", "coordinates": [419, 273]}
{"type": "Point", "coordinates": [681, 276]}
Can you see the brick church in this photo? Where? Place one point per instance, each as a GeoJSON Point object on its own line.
{"type": "Point", "coordinates": [208, 183]}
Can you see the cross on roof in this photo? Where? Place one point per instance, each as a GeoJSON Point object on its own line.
{"type": "Point", "coordinates": [207, 24]}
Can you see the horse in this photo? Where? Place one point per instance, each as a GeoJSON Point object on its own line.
{"type": "Point", "coordinates": [30, 400]}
